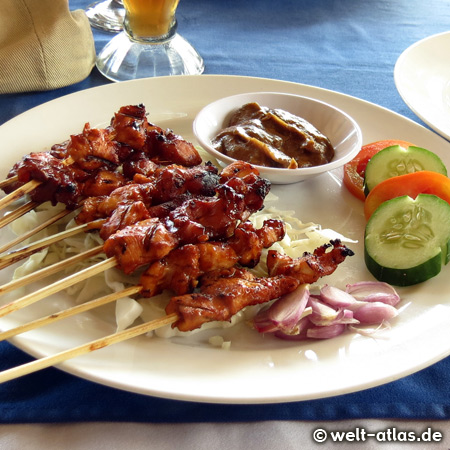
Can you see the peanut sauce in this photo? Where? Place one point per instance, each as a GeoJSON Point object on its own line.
{"type": "Point", "coordinates": [273, 138]}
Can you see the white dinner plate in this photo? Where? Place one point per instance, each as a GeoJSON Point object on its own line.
{"type": "Point", "coordinates": [257, 368]}
{"type": "Point", "coordinates": [422, 77]}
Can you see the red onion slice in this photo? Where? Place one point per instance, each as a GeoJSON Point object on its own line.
{"type": "Point", "coordinates": [373, 291]}
{"type": "Point", "coordinates": [327, 332]}
{"type": "Point", "coordinates": [338, 298]}
{"type": "Point", "coordinates": [321, 312]}
{"type": "Point", "coordinates": [375, 313]}
{"type": "Point", "coordinates": [284, 313]}
{"type": "Point", "coordinates": [300, 331]}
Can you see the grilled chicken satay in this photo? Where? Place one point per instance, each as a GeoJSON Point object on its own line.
{"type": "Point", "coordinates": [226, 296]}
{"type": "Point", "coordinates": [167, 183]}
{"type": "Point", "coordinates": [225, 292]}
{"type": "Point", "coordinates": [58, 182]}
{"type": "Point", "coordinates": [64, 171]}
{"type": "Point", "coordinates": [162, 146]}
{"type": "Point", "coordinates": [104, 182]}
{"type": "Point", "coordinates": [180, 270]}
{"type": "Point", "coordinates": [130, 145]}
{"type": "Point", "coordinates": [168, 188]}
{"type": "Point", "coordinates": [198, 219]}
{"type": "Point", "coordinates": [311, 266]}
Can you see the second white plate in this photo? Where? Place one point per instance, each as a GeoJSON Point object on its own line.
{"type": "Point", "coordinates": [422, 77]}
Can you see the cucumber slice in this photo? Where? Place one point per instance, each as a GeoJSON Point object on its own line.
{"type": "Point", "coordinates": [396, 160]}
{"type": "Point", "coordinates": [407, 241]}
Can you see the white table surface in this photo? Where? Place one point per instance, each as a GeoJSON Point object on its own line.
{"type": "Point", "coordinates": [271, 435]}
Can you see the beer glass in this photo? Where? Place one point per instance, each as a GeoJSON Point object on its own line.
{"type": "Point", "coordinates": [149, 45]}
{"type": "Point", "coordinates": [106, 15]}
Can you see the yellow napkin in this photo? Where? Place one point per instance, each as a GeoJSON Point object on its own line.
{"type": "Point", "coordinates": [43, 45]}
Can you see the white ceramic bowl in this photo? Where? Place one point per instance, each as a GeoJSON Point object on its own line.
{"type": "Point", "coordinates": [343, 132]}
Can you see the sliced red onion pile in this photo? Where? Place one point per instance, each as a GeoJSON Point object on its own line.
{"type": "Point", "coordinates": [301, 315]}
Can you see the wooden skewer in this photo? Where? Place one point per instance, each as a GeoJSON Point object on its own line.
{"type": "Point", "coordinates": [69, 312]}
{"type": "Point", "coordinates": [57, 286]}
{"type": "Point", "coordinates": [18, 193]}
{"type": "Point", "coordinates": [19, 212]}
{"type": "Point", "coordinates": [35, 230]}
{"type": "Point", "coordinates": [18, 255]}
{"type": "Point", "coordinates": [50, 270]}
{"type": "Point", "coordinates": [8, 181]}
{"type": "Point", "coordinates": [97, 344]}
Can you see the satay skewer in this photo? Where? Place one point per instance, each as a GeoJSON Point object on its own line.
{"type": "Point", "coordinates": [34, 231]}
{"type": "Point", "coordinates": [57, 286]}
{"type": "Point", "coordinates": [17, 255]}
{"type": "Point", "coordinates": [18, 193]}
{"type": "Point", "coordinates": [8, 181]}
{"type": "Point", "coordinates": [97, 344]}
{"type": "Point", "coordinates": [70, 312]}
{"type": "Point", "coordinates": [19, 212]}
{"type": "Point", "coordinates": [50, 270]}
{"type": "Point", "coordinates": [25, 188]}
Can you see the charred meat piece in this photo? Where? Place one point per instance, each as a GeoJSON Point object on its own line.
{"type": "Point", "coordinates": [162, 210]}
{"type": "Point", "coordinates": [130, 126]}
{"type": "Point", "coordinates": [166, 147]}
{"type": "Point", "coordinates": [138, 163]}
{"type": "Point", "coordinates": [60, 150]}
{"type": "Point", "coordinates": [311, 266]}
{"type": "Point", "coordinates": [58, 182]}
{"type": "Point", "coordinates": [174, 180]}
{"type": "Point", "coordinates": [203, 218]}
{"type": "Point", "coordinates": [209, 218]}
{"type": "Point", "coordinates": [101, 207]}
{"type": "Point", "coordinates": [178, 271]}
{"type": "Point", "coordinates": [240, 169]}
{"type": "Point", "coordinates": [248, 242]}
{"type": "Point", "coordinates": [245, 179]}
{"type": "Point", "coordinates": [94, 149]}
{"type": "Point", "coordinates": [102, 183]}
{"type": "Point", "coordinates": [140, 244]}
{"type": "Point", "coordinates": [253, 188]}
{"type": "Point", "coordinates": [123, 216]}
{"type": "Point", "coordinates": [168, 183]}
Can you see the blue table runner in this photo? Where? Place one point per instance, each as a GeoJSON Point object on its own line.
{"type": "Point", "coordinates": [52, 396]}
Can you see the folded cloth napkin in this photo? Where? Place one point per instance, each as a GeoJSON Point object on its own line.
{"type": "Point", "coordinates": [43, 45]}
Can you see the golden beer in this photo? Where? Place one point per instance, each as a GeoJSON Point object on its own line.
{"type": "Point", "coordinates": [149, 18]}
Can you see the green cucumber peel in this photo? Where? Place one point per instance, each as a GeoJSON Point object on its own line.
{"type": "Point", "coordinates": [407, 241]}
{"type": "Point", "coordinates": [396, 160]}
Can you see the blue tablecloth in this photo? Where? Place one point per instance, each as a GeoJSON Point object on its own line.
{"type": "Point", "coordinates": [342, 45]}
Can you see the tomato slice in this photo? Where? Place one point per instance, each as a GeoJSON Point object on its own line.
{"type": "Point", "coordinates": [354, 170]}
{"type": "Point", "coordinates": [411, 184]}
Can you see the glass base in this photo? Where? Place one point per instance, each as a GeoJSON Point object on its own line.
{"type": "Point", "coordinates": [106, 15]}
{"type": "Point", "coordinates": [123, 59]}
